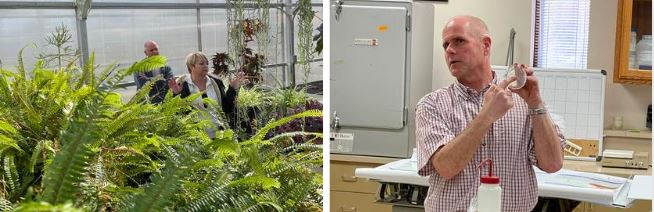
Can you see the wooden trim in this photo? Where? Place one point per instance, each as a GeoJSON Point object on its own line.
{"type": "Point", "coordinates": [622, 74]}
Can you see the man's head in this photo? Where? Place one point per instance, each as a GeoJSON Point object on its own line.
{"type": "Point", "coordinates": [151, 48]}
{"type": "Point", "coordinates": [466, 43]}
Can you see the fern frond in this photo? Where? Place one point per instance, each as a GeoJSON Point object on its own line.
{"type": "Point", "coordinates": [21, 66]}
{"type": "Point", "coordinates": [305, 146]}
{"type": "Point", "coordinates": [143, 93]}
{"type": "Point", "coordinates": [256, 181]}
{"type": "Point", "coordinates": [263, 131]}
{"type": "Point", "coordinates": [5, 89]}
{"type": "Point", "coordinates": [5, 205]}
{"type": "Point", "coordinates": [225, 144]}
{"type": "Point", "coordinates": [159, 193]}
{"type": "Point", "coordinates": [44, 206]}
{"type": "Point", "coordinates": [8, 135]}
{"type": "Point", "coordinates": [69, 165]}
{"type": "Point", "coordinates": [293, 134]}
{"type": "Point", "coordinates": [11, 175]}
{"type": "Point", "coordinates": [104, 75]}
{"type": "Point", "coordinates": [215, 195]}
{"type": "Point", "coordinates": [208, 163]}
{"type": "Point", "coordinates": [148, 64]}
{"type": "Point", "coordinates": [88, 73]}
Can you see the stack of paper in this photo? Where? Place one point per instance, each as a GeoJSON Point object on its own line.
{"type": "Point", "coordinates": [583, 186]}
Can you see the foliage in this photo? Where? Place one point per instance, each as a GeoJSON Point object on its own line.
{"type": "Point", "coordinates": [305, 37]}
{"type": "Point", "coordinates": [148, 64]}
{"type": "Point", "coordinates": [67, 142]}
{"type": "Point", "coordinates": [65, 54]}
{"type": "Point", "coordinates": [318, 39]}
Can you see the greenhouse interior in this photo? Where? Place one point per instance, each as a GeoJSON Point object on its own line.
{"type": "Point", "coordinates": [161, 105]}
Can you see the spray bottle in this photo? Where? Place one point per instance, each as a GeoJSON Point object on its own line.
{"type": "Point", "coordinates": [489, 194]}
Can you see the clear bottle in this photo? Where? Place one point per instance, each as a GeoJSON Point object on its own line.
{"type": "Point", "coordinates": [489, 194]}
{"type": "Point", "coordinates": [644, 48]}
{"type": "Point", "coordinates": [633, 59]}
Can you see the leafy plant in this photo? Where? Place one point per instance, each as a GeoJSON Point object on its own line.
{"type": "Point", "coordinates": [305, 37]}
{"type": "Point", "coordinates": [65, 53]}
{"type": "Point", "coordinates": [67, 142]}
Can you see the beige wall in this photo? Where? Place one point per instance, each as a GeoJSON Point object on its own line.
{"type": "Point", "coordinates": [500, 16]}
{"type": "Point", "coordinates": [628, 101]}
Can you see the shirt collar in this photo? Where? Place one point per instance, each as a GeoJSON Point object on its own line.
{"type": "Point", "coordinates": [467, 92]}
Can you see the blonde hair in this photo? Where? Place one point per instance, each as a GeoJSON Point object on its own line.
{"type": "Point", "coordinates": [193, 58]}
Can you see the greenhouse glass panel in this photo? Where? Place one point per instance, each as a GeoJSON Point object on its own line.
{"type": "Point", "coordinates": [22, 27]}
{"type": "Point", "coordinates": [148, 1]}
{"type": "Point", "coordinates": [43, 0]}
{"type": "Point", "coordinates": [117, 36]}
{"type": "Point", "coordinates": [214, 31]}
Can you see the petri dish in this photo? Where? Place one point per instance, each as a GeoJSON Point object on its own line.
{"type": "Point", "coordinates": [519, 73]}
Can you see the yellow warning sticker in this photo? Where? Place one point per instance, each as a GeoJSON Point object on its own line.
{"type": "Point", "coordinates": [382, 28]}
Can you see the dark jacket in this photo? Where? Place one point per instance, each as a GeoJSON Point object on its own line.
{"type": "Point", "coordinates": [160, 87]}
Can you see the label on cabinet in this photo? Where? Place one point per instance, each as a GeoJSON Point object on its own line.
{"type": "Point", "coordinates": [341, 142]}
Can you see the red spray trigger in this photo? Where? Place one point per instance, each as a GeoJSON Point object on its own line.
{"type": "Point", "coordinates": [489, 179]}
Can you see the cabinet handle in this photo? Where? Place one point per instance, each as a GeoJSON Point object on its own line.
{"type": "Point", "coordinates": [349, 178]}
{"type": "Point", "coordinates": [351, 209]}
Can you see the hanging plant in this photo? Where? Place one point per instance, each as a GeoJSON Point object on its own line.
{"type": "Point", "coordinates": [305, 37]}
{"type": "Point", "coordinates": [236, 36]}
{"type": "Point", "coordinates": [262, 25]}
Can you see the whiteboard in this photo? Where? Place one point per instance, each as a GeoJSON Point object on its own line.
{"type": "Point", "coordinates": [574, 95]}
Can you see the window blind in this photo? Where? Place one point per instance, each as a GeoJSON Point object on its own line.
{"type": "Point", "coordinates": [561, 38]}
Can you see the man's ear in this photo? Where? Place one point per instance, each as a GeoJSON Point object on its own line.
{"type": "Point", "coordinates": [486, 41]}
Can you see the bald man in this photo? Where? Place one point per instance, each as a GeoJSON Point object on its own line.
{"type": "Point", "coordinates": [479, 117]}
{"type": "Point", "coordinates": [160, 87]}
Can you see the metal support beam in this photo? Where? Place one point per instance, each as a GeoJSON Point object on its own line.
{"type": "Point", "coordinates": [289, 39]}
{"type": "Point", "coordinates": [199, 25]}
{"type": "Point", "coordinates": [122, 5]}
{"type": "Point", "coordinates": [82, 9]}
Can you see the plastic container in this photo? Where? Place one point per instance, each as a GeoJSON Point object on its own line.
{"type": "Point", "coordinates": [633, 61]}
{"type": "Point", "coordinates": [520, 74]}
{"type": "Point", "coordinates": [489, 194]}
{"type": "Point", "coordinates": [644, 48]}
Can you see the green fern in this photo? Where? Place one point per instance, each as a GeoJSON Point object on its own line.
{"type": "Point", "coordinates": [158, 194]}
{"type": "Point", "coordinates": [263, 131]}
{"type": "Point", "coordinates": [257, 181]}
{"type": "Point", "coordinates": [5, 205]}
{"type": "Point", "coordinates": [70, 163]}
{"type": "Point", "coordinates": [10, 174]}
{"type": "Point", "coordinates": [148, 64]}
{"type": "Point", "coordinates": [44, 206]}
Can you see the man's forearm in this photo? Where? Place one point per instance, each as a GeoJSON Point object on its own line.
{"type": "Point", "coordinates": [549, 152]}
{"type": "Point", "coordinates": [453, 157]}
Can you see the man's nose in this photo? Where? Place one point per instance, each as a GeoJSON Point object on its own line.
{"type": "Point", "coordinates": [449, 50]}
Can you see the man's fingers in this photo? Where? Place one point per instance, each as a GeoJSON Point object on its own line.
{"type": "Point", "coordinates": [505, 83]}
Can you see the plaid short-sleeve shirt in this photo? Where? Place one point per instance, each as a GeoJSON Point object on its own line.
{"type": "Point", "coordinates": [442, 115]}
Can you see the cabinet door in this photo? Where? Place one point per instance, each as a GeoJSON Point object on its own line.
{"type": "Point", "coordinates": [632, 14]}
{"type": "Point", "coordinates": [368, 65]}
{"type": "Point", "coordinates": [356, 202]}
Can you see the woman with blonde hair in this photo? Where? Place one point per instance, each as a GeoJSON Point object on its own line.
{"type": "Point", "coordinates": [199, 80]}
